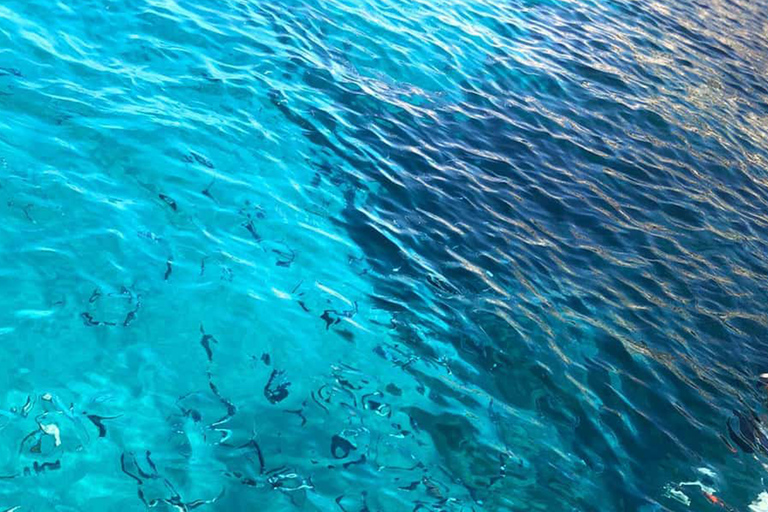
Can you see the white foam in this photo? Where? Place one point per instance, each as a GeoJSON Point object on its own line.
{"type": "Point", "coordinates": [760, 504]}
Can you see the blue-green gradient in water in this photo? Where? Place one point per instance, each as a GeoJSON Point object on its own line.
{"type": "Point", "coordinates": [383, 256]}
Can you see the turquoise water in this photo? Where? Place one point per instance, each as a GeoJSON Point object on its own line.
{"type": "Point", "coordinates": [365, 255]}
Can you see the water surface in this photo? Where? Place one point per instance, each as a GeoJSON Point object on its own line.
{"type": "Point", "coordinates": [366, 255]}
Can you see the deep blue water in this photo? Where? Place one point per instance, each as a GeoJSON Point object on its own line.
{"type": "Point", "coordinates": [370, 255]}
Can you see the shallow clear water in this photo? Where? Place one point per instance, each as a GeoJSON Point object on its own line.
{"type": "Point", "coordinates": [371, 255]}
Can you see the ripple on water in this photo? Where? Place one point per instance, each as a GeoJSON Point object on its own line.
{"type": "Point", "coordinates": [367, 255]}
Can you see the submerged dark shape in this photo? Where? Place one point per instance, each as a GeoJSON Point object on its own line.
{"type": "Point", "coordinates": [205, 341]}
{"type": "Point", "coordinates": [99, 422]}
{"type": "Point", "coordinates": [244, 480]}
{"type": "Point", "coordinates": [259, 454]}
{"type": "Point", "coordinates": [130, 466]}
{"type": "Point", "coordinates": [750, 436]}
{"type": "Point", "coordinates": [45, 466]}
{"type": "Point", "coordinates": [88, 319]}
{"type": "Point", "coordinates": [94, 295]}
{"type": "Point", "coordinates": [299, 413]}
{"type": "Point", "coordinates": [131, 315]}
{"type": "Point", "coordinates": [361, 460]}
{"type": "Point", "coordinates": [169, 201]}
{"type": "Point", "coordinates": [91, 322]}
{"type": "Point", "coordinates": [340, 447]}
{"type": "Point", "coordinates": [10, 71]}
{"type": "Point", "coordinates": [36, 468]}
{"type": "Point", "coordinates": [190, 412]}
{"type": "Point", "coordinates": [266, 359]}
{"type": "Point", "coordinates": [124, 466]}
{"type": "Point", "coordinates": [228, 405]}
{"type": "Point", "coordinates": [201, 160]}
{"type": "Point", "coordinates": [364, 507]}
{"type": "Point", "coordinates": [35, 436]}
{"type": "Point", "coordinates": [392, 389]}
{"type": "Point", "coordinates": [329, 320]}
{"type": "Point", "coordinates": [231, 409]}
{"type": "Point", "coordinates": [315, 399]}
{"type": "Point", "coordinates": [276, 391]}
{"type": "Point", "coordinates": [251, 210]}
{"type": "Point", "coordinates": [363, 498]}
{"type": "Point", "coordinates": [333, 317]}
{"type": "Point", "coordinates": [193, 414]}
{"type": "Point", "coordinates": [168, 269]}
{"type": "Point", "coordinates": [25, 209]}
{"type": "Point", "coordinates": [207, 191]}
{"type": "Point", "coordinates": [345, 383]}
{"type": "Point", "coordinates": [27, 407]}
{"type": "Point", "coordinates": [348, 335]}
{"type": "Point", "coordinates": [252, 230]}
{"type": "Point", "coordinates": [376, 406]}
{"type": "Point", "coordinates": [285, 258]}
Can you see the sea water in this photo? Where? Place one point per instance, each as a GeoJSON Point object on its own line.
{"type": "Point", "coordinates": [370, 255]}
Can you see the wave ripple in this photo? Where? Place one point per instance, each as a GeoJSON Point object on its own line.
{"type": "Point", "coordinates": [366, 255]}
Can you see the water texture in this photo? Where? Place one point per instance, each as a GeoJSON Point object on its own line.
{"type": "Point", "coordinates": [371, 255]}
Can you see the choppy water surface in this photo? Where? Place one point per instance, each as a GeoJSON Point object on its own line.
{"type": "Point", "coordinates": [370, 255]}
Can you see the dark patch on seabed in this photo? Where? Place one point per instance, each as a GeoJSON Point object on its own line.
{"type": "Point", "coordinates": [496, 292]}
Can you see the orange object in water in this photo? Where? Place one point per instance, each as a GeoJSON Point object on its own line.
{"type": "Point", "coordinates": [713, 499]}
{"type": "Point", "coordinates": [717, 501]}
